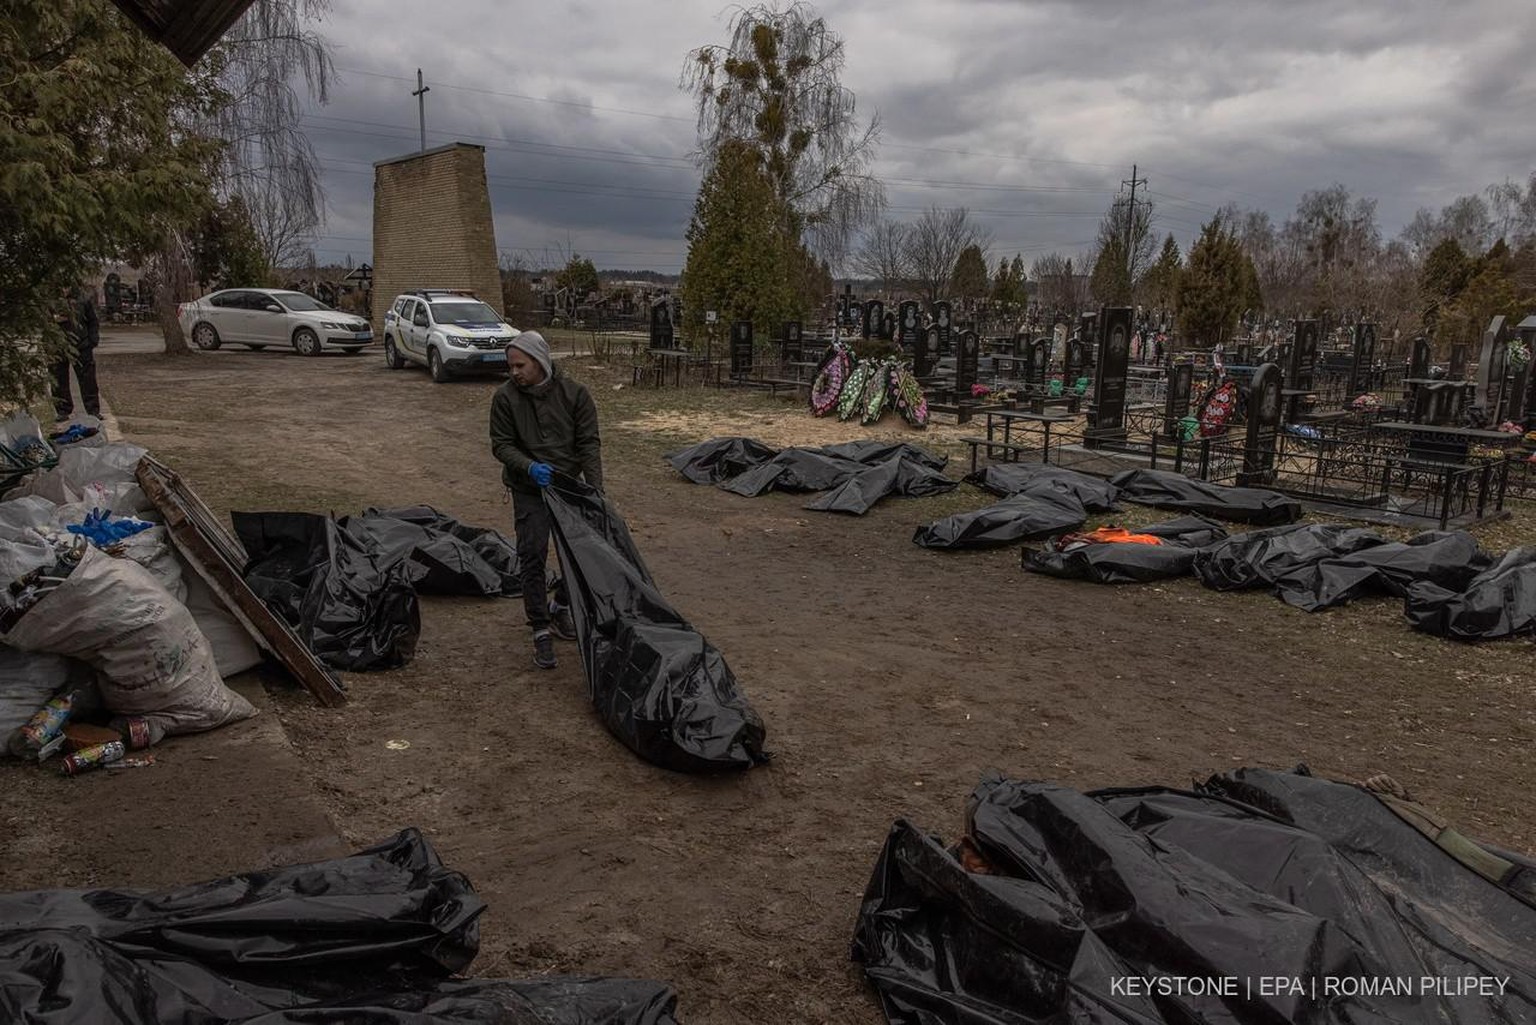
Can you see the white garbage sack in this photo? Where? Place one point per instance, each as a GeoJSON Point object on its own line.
{"type": "Point", "coordinates": [233, 647]}
{"type": "Point", "coordinates": [107, 465]}
{"type": "Point", "coordinates": [151, 658]}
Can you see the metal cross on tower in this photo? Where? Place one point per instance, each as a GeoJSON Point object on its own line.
{"type": "Point", "coordinates": [421, 107]}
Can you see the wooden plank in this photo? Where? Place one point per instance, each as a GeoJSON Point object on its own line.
{"type": "Point", "coordinates": [220, 559]}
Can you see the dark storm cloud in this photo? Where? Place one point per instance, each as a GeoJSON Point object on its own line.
{"type": "Point", "coordinates": [1029, 114]}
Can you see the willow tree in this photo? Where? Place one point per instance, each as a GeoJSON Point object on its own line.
{"type": "Point", "coordinates": [776, 88]}
{"type": "Point", "coordinates": [267, 166]}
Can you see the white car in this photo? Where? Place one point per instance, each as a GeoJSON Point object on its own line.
{"type": "Point", "coordinates": [448, 332]}
{"type": "Point", "coordinates": [259, 317]}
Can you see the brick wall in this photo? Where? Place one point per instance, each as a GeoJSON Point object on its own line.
{"type": "Point", "coordinates": [432, 226]}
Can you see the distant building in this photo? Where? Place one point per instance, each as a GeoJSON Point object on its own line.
{"type": "Point", "coordinates": [432, 226]}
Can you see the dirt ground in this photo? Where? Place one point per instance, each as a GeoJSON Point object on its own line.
{"type": "Point", "coordinates": [891, 679]}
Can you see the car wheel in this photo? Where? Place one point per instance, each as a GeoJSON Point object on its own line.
{"type": "Point", "coordinates": [436, 368]}
{"type": "Point", "coordinates": [392, 357]}
{"type": "Point", "coordinates": [306, 342]}
{"type": "Point", "coordinates": [255, 348]}
{"type": "Point", "coordinates": [204, 336]}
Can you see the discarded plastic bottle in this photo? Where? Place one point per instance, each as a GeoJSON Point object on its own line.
{"type": "Point", "coordinates": [46, 723]}
{"type": "Point", "coordinates": [94, 757]}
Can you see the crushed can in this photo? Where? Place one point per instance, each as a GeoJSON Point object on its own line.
{"type": "Point", "coordinates": [92, 758]}
{"type": "Point", "coordinates": [135, 731]}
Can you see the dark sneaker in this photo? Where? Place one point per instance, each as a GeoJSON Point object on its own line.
{"type": "Point", "coordinates": [544, 650]}
{"type": "Point", "coordinates": [560, 622]}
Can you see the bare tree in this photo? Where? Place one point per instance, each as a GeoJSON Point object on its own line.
{"type": "Point", "coordinates": [883, 256]}
{"type": "Point", "coordinates": [267, 161]}
{"type": "Point", "coordinates": [935, 243]}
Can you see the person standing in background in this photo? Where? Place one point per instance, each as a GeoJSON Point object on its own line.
{"type": "Point", "coordinates": [78, 319]}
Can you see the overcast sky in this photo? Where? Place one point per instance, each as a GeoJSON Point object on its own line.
{"type": "Point", "coordinates": [1030, 114]}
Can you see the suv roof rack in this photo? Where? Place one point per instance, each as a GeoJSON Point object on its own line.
{"type": "Point", "coordinates": [433, 293]}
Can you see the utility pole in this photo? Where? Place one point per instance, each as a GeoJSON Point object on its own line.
{"type": "Point", "coordinates": [421, 109]}
{"type": "Point", "coordinates": [1130, 222]}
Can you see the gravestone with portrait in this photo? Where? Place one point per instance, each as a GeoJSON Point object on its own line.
{"type": "Point", "coordinates": [925, 353]}
{"type": "Point", "coordinates": [1263, 428]}
{"type": "Point", "coordinates": [966, 357]}
{"type": "Point", "coordinates": [1088, 332]}
{"type": "Point", "coordinates": [663, 334]}
{"type": "Point", "coordinates": [1181, 387]}
{"type": "Point", "coordinates": [1072, 363]}
{"type": "Point", "coordinates": [791, 342]}
{"type": "Point", "coordinates": [874, 318]}
{"type": "Point", "coordinates": [1300, 367]}
{"type": "Point", "coordinates": [1037, 362]}
{"type": "Point", "coordinates": [1363, 362]}
{"type": "Point", "coordinates": [1106, 415]}
{"type": "Point", "coordinates": [741, 348]}
{"type": "Point", "coordinates": [943, 319]}
{"type": "Point", "coordinates": [888, 325]}
{"type": "Point", "coordinates": [909, 319]}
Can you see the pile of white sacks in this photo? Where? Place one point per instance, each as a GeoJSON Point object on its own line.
{"type": "Point", "coordinates": [140, 632]}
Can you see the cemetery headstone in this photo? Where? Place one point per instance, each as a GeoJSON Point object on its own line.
{"type": "Point", "coordinates": [741, 348]}
{"type": "Point", "coordinates": [1423, 354]}
{"type": "Point", "coordinates": [874, 318]}
{"type": "Point", "coordinates": [1107, 414]}
{"type": "Point", "coordinates": [1490, 370]}
{"type": "Point", "coordinates": [926, 352]}
{"type": "Point", "coordinates": [1088, 331]}
{"type": "Point", "coordinates": [1457, 369]}
{"type": "Point", "coordinates": [911, 312]}
{"type": "Point", "coordinates": [1181, 387]}
{"type": "Point", "coordinates": [1037, 355]}
{"type": "Point", "coordinates": [888, 325]}
{"type": "Point", "coordinates": [1263, 428]}
{"type": "Point", "coordinates": [943, 319]}
{"type": "Point", "coordinates": [663, 335]}
{"type": "Point", "coordinates": [966, 359]}
{"type": "Point", "coordinates": [791, 342]}
{"type": "Point", "coordinates": [1362, 367]}
{"type": "Point", "coordinates": [1245, 355]}
{"type": "Point", "coordinates": [1073, 362]}
{"type": "Point", "coordinates": [1301, 366]}
{"type": "Point", "coordinates": [1527, 329]}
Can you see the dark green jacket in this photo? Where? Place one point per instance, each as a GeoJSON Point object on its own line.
{"type": "Point", "coordinates": [554, 422]}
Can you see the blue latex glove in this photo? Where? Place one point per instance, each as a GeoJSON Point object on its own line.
{"type": "Point", "coordinates": [542, 474]}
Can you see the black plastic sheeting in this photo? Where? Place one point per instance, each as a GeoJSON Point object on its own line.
{"type": "Point", "coordinates": [657, 684]}
{"type": "Point", "coordinates": [349, 586]}
{"type": "Point", "coordinates": [1042, 501]}
{"type": "Point", "coordinates": [375, 937]}
{"type": "Point", "coordinates": [1125, 563]}
{"type": "Point", "coordinates": [1004, 479]}
{"type": "Point", "coordinates": [1086, 902]}
{"type": "Point", "coordinates": [1448, 560]}
{"type": "Point", "coordinates": [1260, 558]}
{"type": "Point", "coordinates": [1498, 602]}
{"type": "Point", "coordinates": [857, 474]}
{"type": "Point", "coordinates": [1163, 489]}
{"type": "Point", "coordinates": [354, 608]}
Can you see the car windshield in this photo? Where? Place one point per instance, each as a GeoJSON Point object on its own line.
{"type": "Point", "coordinates": [299, 302]}
{"type": "Point", "coordinates": [464, 314]}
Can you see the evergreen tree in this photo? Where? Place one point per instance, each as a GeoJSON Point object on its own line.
{"type": "Point", "coordinates": [743, 261]}
{"type": "Point", "coordinates": [1216, 287]}
{"type": "Point", "coordinates": [970, 278]}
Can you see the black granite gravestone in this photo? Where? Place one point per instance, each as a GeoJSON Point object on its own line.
{"type": "Point", "coordinates": [1181, 387]}
{"type": "Point", "coordinates": [1088, 332]}
{"type": "Point", "coordinates": [741, 348]}
{"type": "Point", "coordinates": [791, 342]}
{"type": "Point", "coordinates": [1456, 368]}
{"type": "Point", "coordinates": [1263, 428]}
{"type": "Point", "coordinates": [966, 358]}
{"type": "Point", "coordinates": [1491, 366]}
{"type": "Point", "coordinates": [1037, 362]}
{"type": "Point", "coordinates": [874, 318]}
{"type": "Point", "coordinates": [888, 325]}
{"type": "Point", "coordinates": [1421, 358]}
{"type": "Point", "coordinates": [663, 335]}
{"type": "Point", "coordinates": [926, 352]}
{"type": "Point", "coordinates": [1107, 414]}
{"type": "Point", "coordinates": [909, 321]}
{"type": "Point", "coordinates": [1363, 364]}
{"type": "Point", "coordinates": [1073, 363]}
{"type": "Point", "coordinates": [1301, 366]}
{"type": "Point", "coordinates": [943, 319]}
